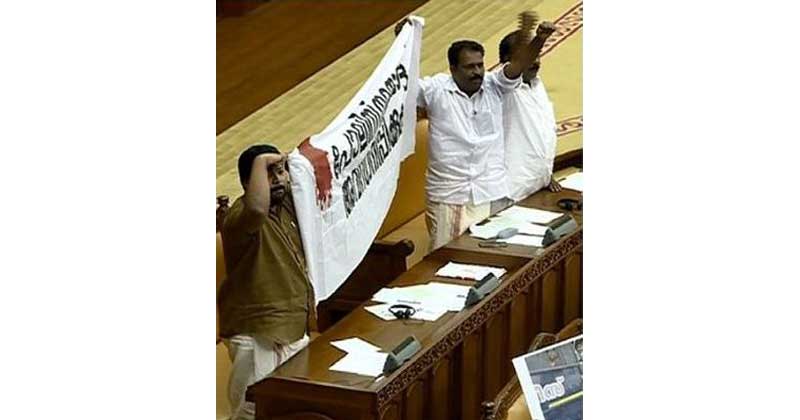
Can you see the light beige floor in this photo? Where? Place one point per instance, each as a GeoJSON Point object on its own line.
{"type": "Point", "coordinates": [308, 107]}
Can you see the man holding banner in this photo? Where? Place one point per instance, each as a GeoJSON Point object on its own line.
{"type": "Point", "coordinates": [466, 173]}
{"type": "Point", "coordinates": [306, 221]}
{"type": "Point", "coordinates": [344, 178]}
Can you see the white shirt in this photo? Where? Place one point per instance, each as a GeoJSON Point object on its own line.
{"type": "Point", "coordinates": [530, 136]}
{"type": "Point", "coordinates": [465, 141]}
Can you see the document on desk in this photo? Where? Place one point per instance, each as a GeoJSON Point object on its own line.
{"type": "Point", "coordinates": [354, 345]}
{"type": "Point", "coordinates": [524, 240]}
{"type": "Point", "coordinates": [365, 363]}
{"type": "Point", "coordinates": [409, 295]}
{"type": "Point", "coordinates": [530, 215]}
{"type": "Point", "coordinates": [469, 271]}
{"type": "Point", "coordinates": [423, 313]}
{"type": "Point", "coordinates": [490, 229]}
{"type": "Point", "coordinates": [573, 182]}
{"type": "Point", "coordinates": [453, 296]}
{"type": "Point", "coordinates": [433, 298]}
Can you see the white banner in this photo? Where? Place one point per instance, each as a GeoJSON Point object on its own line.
{"type": "Point", "coordinates": [344, 178]}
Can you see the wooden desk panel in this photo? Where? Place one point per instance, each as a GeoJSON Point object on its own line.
{"type": "Point", "coordinates": [465, 357]}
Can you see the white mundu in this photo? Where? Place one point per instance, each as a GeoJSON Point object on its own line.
{"type": "Point", "coordinates": [253, 357]}
{"type": "Point", "coordinates": [530, 137]}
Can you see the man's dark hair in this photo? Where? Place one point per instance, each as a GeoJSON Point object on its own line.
{"type": "Point", "coordinates": [505, 46]}
{"type": "Point", "coordinates": [248, 156]}
{"type": "Point", "coordinates": [456, 47]}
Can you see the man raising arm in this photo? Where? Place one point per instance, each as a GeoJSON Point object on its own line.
{"type": "Point", "coordinates": [466, 169]}
{"type": "Point", "coordinates": [529, 124]}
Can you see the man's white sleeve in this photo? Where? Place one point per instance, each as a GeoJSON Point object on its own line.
{"type": "Point", "coordinates": [424, 92]}
{"type": "Point", "coordinates": [504, 83]}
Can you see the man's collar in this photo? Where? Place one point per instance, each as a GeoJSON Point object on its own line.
{"type": "Point", "coordinates": [535, 81]}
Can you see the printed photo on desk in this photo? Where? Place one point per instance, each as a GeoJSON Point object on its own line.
{"type": "Point", "coordinates": [552, 380]}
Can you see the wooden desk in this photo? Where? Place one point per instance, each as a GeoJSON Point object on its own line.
{"type": "Point", "coordinates": [465, 357]}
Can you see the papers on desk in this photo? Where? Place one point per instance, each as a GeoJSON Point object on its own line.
{"type": "Point", "coordinates": [524, 240]}
{"type": "Point", "coordinates": [573, 182]}
{"type": "Point", "coordinates": [422, 313]}
{"type": "Point", "coordinates": [432, 298]}
{"type": "Point", "coordinates": [365, 363]}
{"type": "Point", "coordinates": [354, 345]}
{"type": "Point", "coordinates": [362, 358]}
{"type": "Point", "coordinates": [525, 214]}
{"type": "Point", "coordinates": [490, 229]}
{"type": "Point", "coordinates": [469, 271]}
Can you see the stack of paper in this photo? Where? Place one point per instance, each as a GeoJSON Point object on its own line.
{"type": "Point", "coordinates": [367, 364]}
{"type": "Point", "coordinates": [490, 229]}
{"type": "Point", "coordinates": [524, 240]}
{"type": "Point", "coordinates": [354, 345]}
{"type": "Point", "coordinates": [574, 182]}
{"type": "Point", "coordinates": [530, 215]}
{"type": "Point", "coordinates": [422, 313]}
{"type": "Point", "coordinates": [362, 358]}
{"type": "Point", "coordinates": [469, 271]}
{"type": "Point", "coordinates": [432, 298]}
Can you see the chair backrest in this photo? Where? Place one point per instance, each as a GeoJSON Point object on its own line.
{"type": "Point", "coordinates": [574, 328]}
{"type": "Point", "coordinates": [222, 210]}
{"type": "Point", "coordinates": [223, 363]}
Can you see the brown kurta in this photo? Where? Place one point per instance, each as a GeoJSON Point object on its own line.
{"type": "Point", "coordinates": [267, 290]}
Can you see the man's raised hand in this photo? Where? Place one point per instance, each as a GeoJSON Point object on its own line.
{"type": "Point", "coordinates": [545, 29]}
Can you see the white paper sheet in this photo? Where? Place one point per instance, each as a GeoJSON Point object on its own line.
{"type": "Point", "coordinates": [433, 297]}
{"type": "Point", "coordinates": [573, 182]}
{"type": "Point", "coordinates": [530, 215]}
{"type": "Point", "coordinates": [365, 363]}
{"type": "Point", "coordinates": [524, 240]}
{"type": "Point", "coordinates": [381, 311]}
{"type": "Point", "coordinates": [355, 345]}
{"type": "Point", "coordinates": [490, 229]}
{"type": "Point", "coordinates": [454, 295]}
{"type": "Point", "coordinates": [469, 271]}
{"type": "Point", "coordinates": [422, 313]}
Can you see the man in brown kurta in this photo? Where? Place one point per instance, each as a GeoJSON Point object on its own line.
{"type": "Point", "coordinates": [266, 303]}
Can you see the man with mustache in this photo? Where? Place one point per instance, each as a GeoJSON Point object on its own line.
{"type": "Point", "coordinates": [529, 126]}
{"type": "Point", "coordinates": [466, 169]}
{"type": "Point", "coordinates": [266, 304]}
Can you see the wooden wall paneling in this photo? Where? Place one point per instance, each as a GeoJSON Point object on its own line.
{"type": "Point", "coordinates": [414, 401]}
{"type": "Point", "coordinates": [493, 355]}
{"type": "Point", "coordinates": [440, 397]}
{"type": "Point", "coordinates": [572, 287]}
{"type": "Point", "coordinates": [551, 301]}
{"type": "Point", "coordinates": [392, 410]}
{"type": "Point", "coordinates": [580, 308]}
{"type": "Point", "coordinates": [285, 407]}
{"type": "Point", "coordinates": [517, 330]}
{"type": "Point", "coordinates": [470, 377]}
{"type": "Point", "coordinates": [534, 308]}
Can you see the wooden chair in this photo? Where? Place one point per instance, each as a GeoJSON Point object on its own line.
{"type": "Point", "coordinates": [510, 403]}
